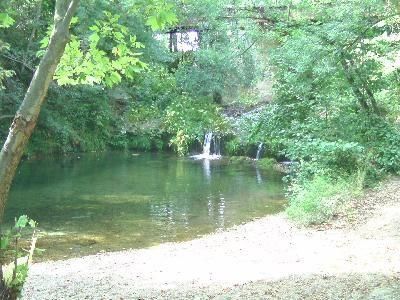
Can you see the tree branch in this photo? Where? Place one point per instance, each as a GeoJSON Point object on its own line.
{"type": "Point", "coordinates": [6, 117]}
{"type": "Point", "coordinates": [18, 61]}
{"type": "Point", "coordinates": [352, 82]}
{"type": "Point", "coordinates": [247, 49]}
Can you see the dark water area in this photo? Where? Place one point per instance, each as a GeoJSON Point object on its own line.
{"type": "Point", "coordinates": [115, 201]}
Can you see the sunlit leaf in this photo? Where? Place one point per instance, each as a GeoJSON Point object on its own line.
{"type": "Point", "coordinates": [5, 20]}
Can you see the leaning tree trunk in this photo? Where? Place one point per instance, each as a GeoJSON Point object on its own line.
{"type": "Point", "coordinates": [26, 117]}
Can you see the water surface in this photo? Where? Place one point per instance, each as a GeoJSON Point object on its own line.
{"type": "Point", "coordinates": [115, 201]}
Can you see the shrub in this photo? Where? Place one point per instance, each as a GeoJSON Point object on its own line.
{"type": "Point", "coordinates": [321, 198]}
{"type": "Point", "coordinates": [266, 163]}
{"type": "Point", "coordinates": [13, 275]}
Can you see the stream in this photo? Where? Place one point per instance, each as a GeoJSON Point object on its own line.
{"type": "Point", "coordinates": [113, 201]}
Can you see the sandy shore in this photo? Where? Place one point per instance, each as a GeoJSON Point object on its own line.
{"type": "Point", "coordinates": [355, 257]}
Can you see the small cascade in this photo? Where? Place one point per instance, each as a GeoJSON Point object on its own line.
{"type": "Point", "coordinates": [211, 147]}
{"type": "Point", "coordinates": [259, 150]}
{"type": "Point", "coordinates": [207, 144]}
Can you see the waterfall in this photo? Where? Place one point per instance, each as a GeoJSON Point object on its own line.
{"type": "Point", "coordinates": [259, 151]}
{"type": "Point", "coordinates": [211, 147]}
{"type": "Point", "coordinates": [207, 144]}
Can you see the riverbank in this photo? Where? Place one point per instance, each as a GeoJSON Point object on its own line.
{"type": "Point", "coordinates": [354, 257]}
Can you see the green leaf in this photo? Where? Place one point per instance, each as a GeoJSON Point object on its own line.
{"type": "Point", "coordinates": [22, 221]}
{"type": "Point", "coordinates": [152, 21]}
{"type": "Point", "coordinates": [94, 38]}
{"type": "Point", "coordinates": [5, 20]}
{"type": "Point", "coordinates": [44, 42]}
{"type": "Point", "coordinates": [74, 20]}
{"type": "Point", "coordinates": [32, 223]}
{"type": "Point", "coordinates": [115, 77]}
{"type": "Point", "coordinates": [94, 28]}
{"type": "Point", "coordinates": [170, 18]}
{"type": "Point", "coordinates": [118, 35]}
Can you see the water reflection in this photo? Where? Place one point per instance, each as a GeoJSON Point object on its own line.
{"type": "Point", "coordinates": [116, 201]}
{"type": "Point", "coordinates": [207, 169]}
{"type": "Point", "coordinates": [221, 211]}
{"type": "Point", "coordinates": [258, 175]}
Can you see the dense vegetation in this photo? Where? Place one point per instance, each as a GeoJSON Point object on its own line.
{"type": "Point", "coordinates": [89, 117]}
{"type": "Point", "coordinates": [337, 101]}
{"type": "Point", "coordinates": [317, 82]}
{"type": "Point", "coordinates": [333, 68]}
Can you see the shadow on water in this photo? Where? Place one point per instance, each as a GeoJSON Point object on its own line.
{"type": "Point", "coordinates": [108, 202]}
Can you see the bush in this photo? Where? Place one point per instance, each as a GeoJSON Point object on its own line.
{"type": "Point", "coordinates": [14, 274]}
{"type": "Point", "coordinates": [77, 119]}
{"type": "Point", "coordinates": [320, 199]}
{"type": "Point", "coordinates": [266, 163]}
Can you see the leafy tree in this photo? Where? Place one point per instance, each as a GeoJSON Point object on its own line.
{"type": "Point", "coordinates": [95, 64]}
{"type": "Point", "coordinates": [25, 119]}
{"type": "Point", "coordinates": [5, 21]}
{"type": "Point", "coordinates": [225, 61]}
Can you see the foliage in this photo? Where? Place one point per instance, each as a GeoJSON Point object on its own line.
{"type": "Point", "coordinates": [335, 72]}
{"type": "Point", "coordinates": [104, 50]}
{"type": "Point", "coordinates": [234, 147]}
{"type": "Point", "coordinates": [110, 54]}
{"type": "Point", "coordinates": [266, 163]}
{"type": "Point", "coordinates": [146, 127]}
{"type": "Point", "coordinates": [328, 83]}
{"type": "Point", "coordinates": [225, 61]}
{"type": "Point", "coordinates": [188, 119]}
{"type": "Point", "coordinates": [86, 124]}
{"type": "Point", "coordinates": [211, 71]}
{"type": "Point", "coordinates": [160, 14]}
{"type": "Point", "coordinates": [5, 22]}
{"type": "Point", "coordinates": [15, 273]}
{"type": "Point", "coordinates": [157, 87]}
{"type": "Point", "coordinates": [336, 104]}
{"type": "Point", "coordinates": [317, 200]}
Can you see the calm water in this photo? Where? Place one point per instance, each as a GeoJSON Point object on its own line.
{"type": "Point", "coordinates": [116, 201]}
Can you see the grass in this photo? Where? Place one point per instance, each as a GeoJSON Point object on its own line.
{"type": "Point", "coordinates": [320, 199]}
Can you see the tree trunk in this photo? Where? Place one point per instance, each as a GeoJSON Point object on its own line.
{"type": "Point", "coordinates": [289, 12]}
{"type": "Point", "coordinates": [26, 117]}
{"type": "Point", "coordinates": [352, 82]}
{"type": "Point", "coordinates": [368, 91]}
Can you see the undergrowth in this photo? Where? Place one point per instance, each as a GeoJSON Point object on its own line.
{"type": "Point", "coordinates": [320, 199]}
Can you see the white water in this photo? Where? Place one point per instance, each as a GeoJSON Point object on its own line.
{"type": "Point", "coordinates": [208, 141]}
{"type": "Point", "coordinates": [259, 150]}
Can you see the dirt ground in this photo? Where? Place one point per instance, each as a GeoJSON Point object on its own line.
{"type": "Point", "coordinates": [356, 256]}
